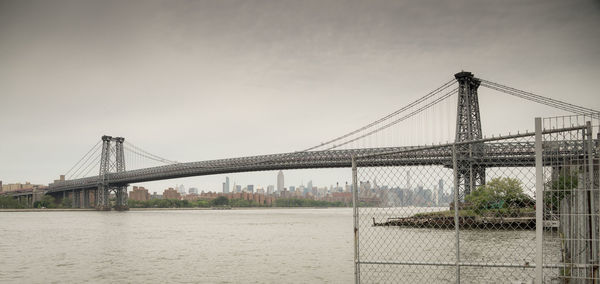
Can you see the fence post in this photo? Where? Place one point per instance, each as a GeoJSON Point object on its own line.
{"type": "Point", "coordinates": [355, 204]}
{"type": "Point", "coordinates": [591, 196]}
{"type": "Point", "coordinates": [456, 208]}
{"type": "Point", "coordinates": [539, 202]}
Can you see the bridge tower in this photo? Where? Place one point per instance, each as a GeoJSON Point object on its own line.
{"type": "Point", "coordinates": [468, 128]}
{"type": "Point", "coordinates": [108, 166]}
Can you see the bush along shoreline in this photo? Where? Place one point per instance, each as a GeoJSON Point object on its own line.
{"type": "Point", "coordinates": [222, 201]}
{"type": "Point", "coordinates": [500, 204]}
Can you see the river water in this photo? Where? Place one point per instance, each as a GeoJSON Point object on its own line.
{"type": "Point", "coordinates": [240, 246]}
{"type": "Point", "coordinates": [178, 246]}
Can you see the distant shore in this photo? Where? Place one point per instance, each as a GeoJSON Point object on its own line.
{"type": "Point", "coordinates": [46, 209]}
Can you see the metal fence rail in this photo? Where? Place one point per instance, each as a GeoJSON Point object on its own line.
{"type": "Point", "coordinates": [478, 219]}
{"type": "Point", "coordinates": [571, 196]}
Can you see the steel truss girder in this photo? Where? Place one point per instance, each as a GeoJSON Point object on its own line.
{"type": "Point", "coordinates": [493, 154]}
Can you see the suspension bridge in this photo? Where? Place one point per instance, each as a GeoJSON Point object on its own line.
{"type": "Point", "coordinates": [106, 161]}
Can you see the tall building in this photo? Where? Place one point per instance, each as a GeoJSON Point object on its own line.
{"type": "Point", "coordinates": [181, 189]}
{"type": "Point", "coordinates": [193, 190]}
{"type": "Point", "coordinates": [280, 183]}
{"type": "Point", "coordinates": [251, 188]}
{"type": "Point", "coordinates": [270, 189]}
{"type": "Point", "coordinates": [440, 193]}
{"type": "Point", "coordinates": [226, 185]}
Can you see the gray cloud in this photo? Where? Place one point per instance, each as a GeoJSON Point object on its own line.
{"type": "Point", "coordinates": [195, 80]}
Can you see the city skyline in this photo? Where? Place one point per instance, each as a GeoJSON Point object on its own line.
{"type": "Point", "coordinates": [437, 186]}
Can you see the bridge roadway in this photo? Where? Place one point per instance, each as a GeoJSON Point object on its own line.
{"type": "Point", "coordinates": [505, 154]}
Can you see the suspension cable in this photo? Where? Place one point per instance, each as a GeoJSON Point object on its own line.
{"type": "Point", "coordinates": [418, 101]}
{"type": "Point", "coordinates": [539, 99]}
{"type": "Point", "coordinates": [130, 147]}
{"type": "Point", "coordinates": [156, 157]}
{"type": "Point", "coordinates": [91, 149]}
{"type": "Point", "coordinates": [428, 105]}
{"type": "Point", "coordinates": [95, 162]}
{"type": "Point", "coordinates": [79, 170]}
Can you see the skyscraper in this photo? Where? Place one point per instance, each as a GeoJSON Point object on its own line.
{"type": "Point", "coordinates": [441, 190]}
{"type": "Point", "coordinates": [226, 185]}
{"type": "Point", "coordinates": [280, 183]}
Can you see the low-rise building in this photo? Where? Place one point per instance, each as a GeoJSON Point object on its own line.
{"type": "Point", "coordinates": [139, 194]}
{"type": "Point", "coordinates": [171, 193]}
{"type": "Point", "coordinates": [20, 186]}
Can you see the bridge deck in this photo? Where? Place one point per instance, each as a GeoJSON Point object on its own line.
{"type": "Point", "coordinates": [514, 154]}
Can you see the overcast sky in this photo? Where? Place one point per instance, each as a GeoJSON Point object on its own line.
{"type": "Point", "coordinates": [198, 80]}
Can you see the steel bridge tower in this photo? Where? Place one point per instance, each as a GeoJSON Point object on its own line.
{"type": "Point", "coordinates": [108, 166]}
{"type": "Point", "coordinates": [468, 128]}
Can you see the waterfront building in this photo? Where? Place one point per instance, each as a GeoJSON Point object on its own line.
{"type": "Point", "coordinates": [139, 194]}
{"type": "Point", "coordinates": [192, 197]}
{"type": "Point", "coordinates": [193, 190]}
{"type": "Point", "coordinates": [171, 193]}
{"type": "Point", "coordinates": [250, 188]}
{"type": "Point", "coordinates": [19, 186]}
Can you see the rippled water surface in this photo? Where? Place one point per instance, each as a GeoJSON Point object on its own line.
{"type": "Point", "coordinates": [247, 246]}
{"type": "Point", "coordinates": [191, 246]}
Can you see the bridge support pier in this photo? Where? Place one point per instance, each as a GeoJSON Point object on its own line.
{"type": "Point", "coordinates": [107, 167]}
{"type": "Point", "coordinates": [121, 194]}
{"type": "Point", "coordinates": [103, 203]}
{"type": "Point", "coordinates": [468, 128]}
{"type": "Point", "coordinates": [85, 198]}
{"type": "Point", "coordinates": [76, 197]}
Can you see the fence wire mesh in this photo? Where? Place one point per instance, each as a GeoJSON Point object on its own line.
{"type": "Point", "coordinates": [466, 212]}
{"type": "Point", "coordinates": [571, 196]}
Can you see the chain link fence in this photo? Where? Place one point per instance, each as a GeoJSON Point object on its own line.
{"type": "Point", "coordinates": [468, 212]}
{"type": "Point", "coordinates": [570, 184]}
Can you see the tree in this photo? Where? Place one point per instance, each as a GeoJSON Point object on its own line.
{"type": "Point", "coordinates": [66, 203]}
{"type": "Point", "coordinates": [220, 201]}
{"type": "Point", "coordinates": [499, 193]}
{"type": "Point", "coordinates": [46, 202]}
{"type": "Point", "coordinates": [10, 202]}
{"type": "Point", "coordinates": [557, 189]}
